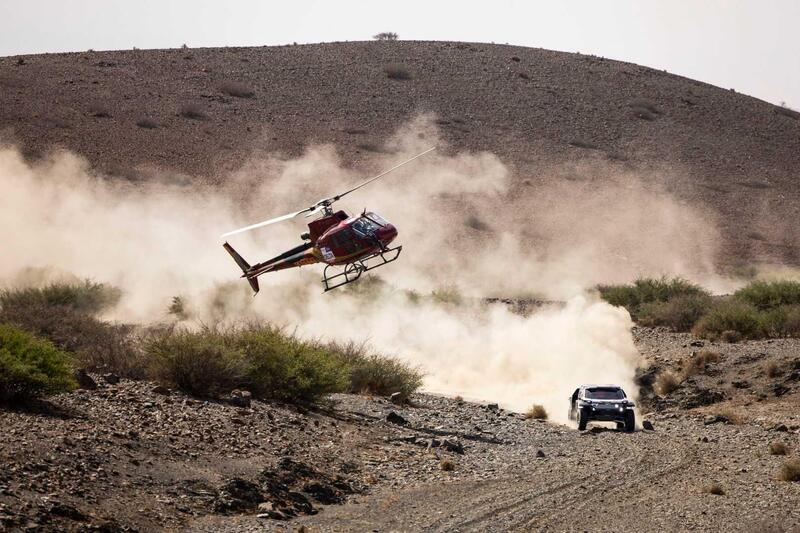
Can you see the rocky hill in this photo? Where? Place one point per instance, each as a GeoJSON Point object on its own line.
{"type": "Point", "coordinates": [201, 111]}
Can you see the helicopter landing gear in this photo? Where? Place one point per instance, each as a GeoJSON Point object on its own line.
{"type": "Point", "coordinates": [352, 271]}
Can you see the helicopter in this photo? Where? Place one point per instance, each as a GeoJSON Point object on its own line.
{"type": "Point", "coordinates": [349, 246]}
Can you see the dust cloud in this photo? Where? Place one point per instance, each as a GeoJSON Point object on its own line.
{"type": "Point", "coordinates": [467, 224]}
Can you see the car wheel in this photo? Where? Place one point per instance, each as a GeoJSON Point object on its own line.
{"type": "Point", "coordinates": [583, 418]}
{"type": "Point", "coordinates": [630, 422]}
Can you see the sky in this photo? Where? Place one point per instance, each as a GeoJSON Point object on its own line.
{"type": "Point", "coordinates": [752, 46]}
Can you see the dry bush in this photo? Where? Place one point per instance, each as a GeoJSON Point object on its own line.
{"type": "Point", "coordinates": [665, 383]}
{"type": "Point", "coordinates": [374, 373]}
{"type": "Point", "coordinates": [773, 370]}
{"type": "Point", "coordinates": [730, 336]}
{"type": "Point", "coordinates": [790, 470]}
{"type": "Point", "coordinates": [698, 362]}
{"type": "Point", "coordinates": [397, 72]}
{"type": "Point", "coordinates": [732, 416]}
{"type": "Point", "coordinates": [679, 313]}
{"type": "Point", "coordinates": [447, 465]}
{"type": "Point", "coordinates": [537, 412]}
{"type": "Point", "coordinates": [713, 488]}
{"type": "Point", "coordinates": [147, 123]}
{"type": "Point", "coordinates": [459, 399]}
{"type": "Point", "coordinates": [385, 36]}
{"type": "Point", "coordinates": [236, 89]}
{"type": "Point", "coordinates": [778, 448]}
{"type": "Point", "coordinates": [730, 315]}
{"type": "Point", "coordinates": [192, 111]}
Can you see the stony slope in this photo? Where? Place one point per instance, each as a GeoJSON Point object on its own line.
{"type": "Point", "coordinates": [735, 154]}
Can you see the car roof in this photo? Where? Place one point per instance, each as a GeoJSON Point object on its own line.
{"type": "Point", "coordinates": [600, 387]}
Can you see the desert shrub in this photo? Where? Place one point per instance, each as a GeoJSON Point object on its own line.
{"type": "Point", "coordinates": [376, 374]}
{"type": "Point", "coordinates": [448, 295]}
{"type": "Point", "coordinates": [179, 308]}
{"type": "Point", "coordinates": [236, 89]}
{"type": "Point", "coordinates": [697, 363]}
{"type": "Point", "coordinates": [88, 297]}
{"type": "Point", "coordinates": [713, 488]}
{"type": "Point", "coordinates": [202, 363]}
{"type": "Point", "coordinates": [31, 367]}
{"type": "Point", "coordinates": [730, 336]}
{"type": "Point", "coordinates": [147, 123]}
{"type": "Point", "coordinates": [64, 315]}
{"type": "Point", "coordinates": [665, 383]}
{"type": "Point", "coordinates": [679, 313]}
{"type": "Point", "coordinates": [192, 111]}
{"type": "Point", "coordinates": [447, 465]}
{"type": "Point", "coordinates": [790, 470]}
{"type": "Point", "coordinates": [770, 294]}
{"type": "Point", "coordinates": [778, 448]}
{"type": "Point", "coordinates": [536, 412]}
{"type": "Point", "coordinates": [773, 370]}
{"type": "Point", "coordinates": [397, 72]}
{"type": "Point", "coordinates": [732, 416]}
{"type": "Point", "coordinates": [385, 36]}
{"type": "Point", "coordinates": [783, 321]}
{"type": "Point", "coordinates": [283, 367]}
{"type": "Point", "coordinates": [646, 290]}
{"type": "Point", "coordinates": [730, 315]}
{"type": "Point", "coordinates": [260, 358]}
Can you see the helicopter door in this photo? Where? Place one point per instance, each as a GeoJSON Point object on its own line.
{"type": "Point", "coordinates": [344, 241]}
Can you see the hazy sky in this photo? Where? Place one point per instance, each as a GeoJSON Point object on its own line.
{"type": "Point", "coordinates": [752, 46]}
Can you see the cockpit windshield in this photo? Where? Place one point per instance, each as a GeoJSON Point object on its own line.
{"type": "Point", "coordinates": [365, 227]}
{"type": "Point", "coordinates": [376, 218]}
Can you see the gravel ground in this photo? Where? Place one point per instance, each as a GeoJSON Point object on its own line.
{"type": "Point", "coordinates": [130, 456]}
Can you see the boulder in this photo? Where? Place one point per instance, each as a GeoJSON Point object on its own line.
{"type": "Point", "coordinates": [397, 398]}
{"type": "Point", "coordinates": [240, 398]}
{"type": "Point", "coordinates": [84, 380]}
{"type": "Point", "coordinates": [394, 418]}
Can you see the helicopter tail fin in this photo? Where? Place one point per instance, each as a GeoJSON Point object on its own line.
{"type": "Point", "coordinates": [244, 265]}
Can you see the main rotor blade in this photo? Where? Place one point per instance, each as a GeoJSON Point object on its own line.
{"type": "Point", "coordinates": [382, 174]}
{"type": "Point", "coordinates": [266, 222]}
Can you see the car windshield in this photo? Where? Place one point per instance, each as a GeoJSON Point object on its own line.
{"type": "Point", "coordinates": [605, 394]}
{"type": "Point", "coordinates": [365, 226]}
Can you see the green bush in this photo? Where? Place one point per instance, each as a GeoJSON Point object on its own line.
{"type": "Point", "coordinates": [647, 290]}
{"type": "Point", "coordinates": [679, 313]}
{"type": "Point", "coordinates": [270, 364]}
{"type": "Point", "coordinates": [770, 294]}
{"type": "Point", "coordinates": [730, 315]}
{"type": "Point", "coordinates": [783, 321]}
{"type": "Point", "coordinates": [97, 345]}
{"type": "Point", "coordinates": [284, 367]}
{"type": "Point", "coordinates": [88, 297]}
{"type": "Point", "coordinates": [203, 363]}
{"type": "Point", "coordinates": [31, 367]}
{"type": "Point", "coordinates": [376, 374]}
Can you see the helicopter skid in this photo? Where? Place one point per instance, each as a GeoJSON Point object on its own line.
{"type": "Point", "coordinates": [352, 271]}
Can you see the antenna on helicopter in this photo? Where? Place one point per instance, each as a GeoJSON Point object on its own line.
{"type": "Point", "coordinates": [325, 204]}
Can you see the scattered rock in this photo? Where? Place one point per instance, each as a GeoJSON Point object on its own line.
{"type": "Point", "coordinates": [160, 389]}
{"type": "Point", "coordinates": [85, 381]}
{"type": "Point", "coordinates": [493, 407]}
{"type": "Point", "coordinates": [240, 398]}
{"type": "Point", "coordinates": [238, 495]}
{"type": "Point", "coordinates": [780, 427]}
{"type": "Point", "coordinates": [111, 378]}
{"type": "Point", "coordinates": [697, 344]}
{"type": "Point", "coordinates": [397, 398]}
{"type": "Point", "coordinates": [647, 425]}
{"type": "Point", "coordinates": [779, 390]}
{"type": "Point", "coordinates": [540, 454]}
{"type": "Point", "coordinates": [394, 418]}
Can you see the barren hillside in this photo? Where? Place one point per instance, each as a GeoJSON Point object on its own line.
{"type": "Point", "coordinates": [202, 111]}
